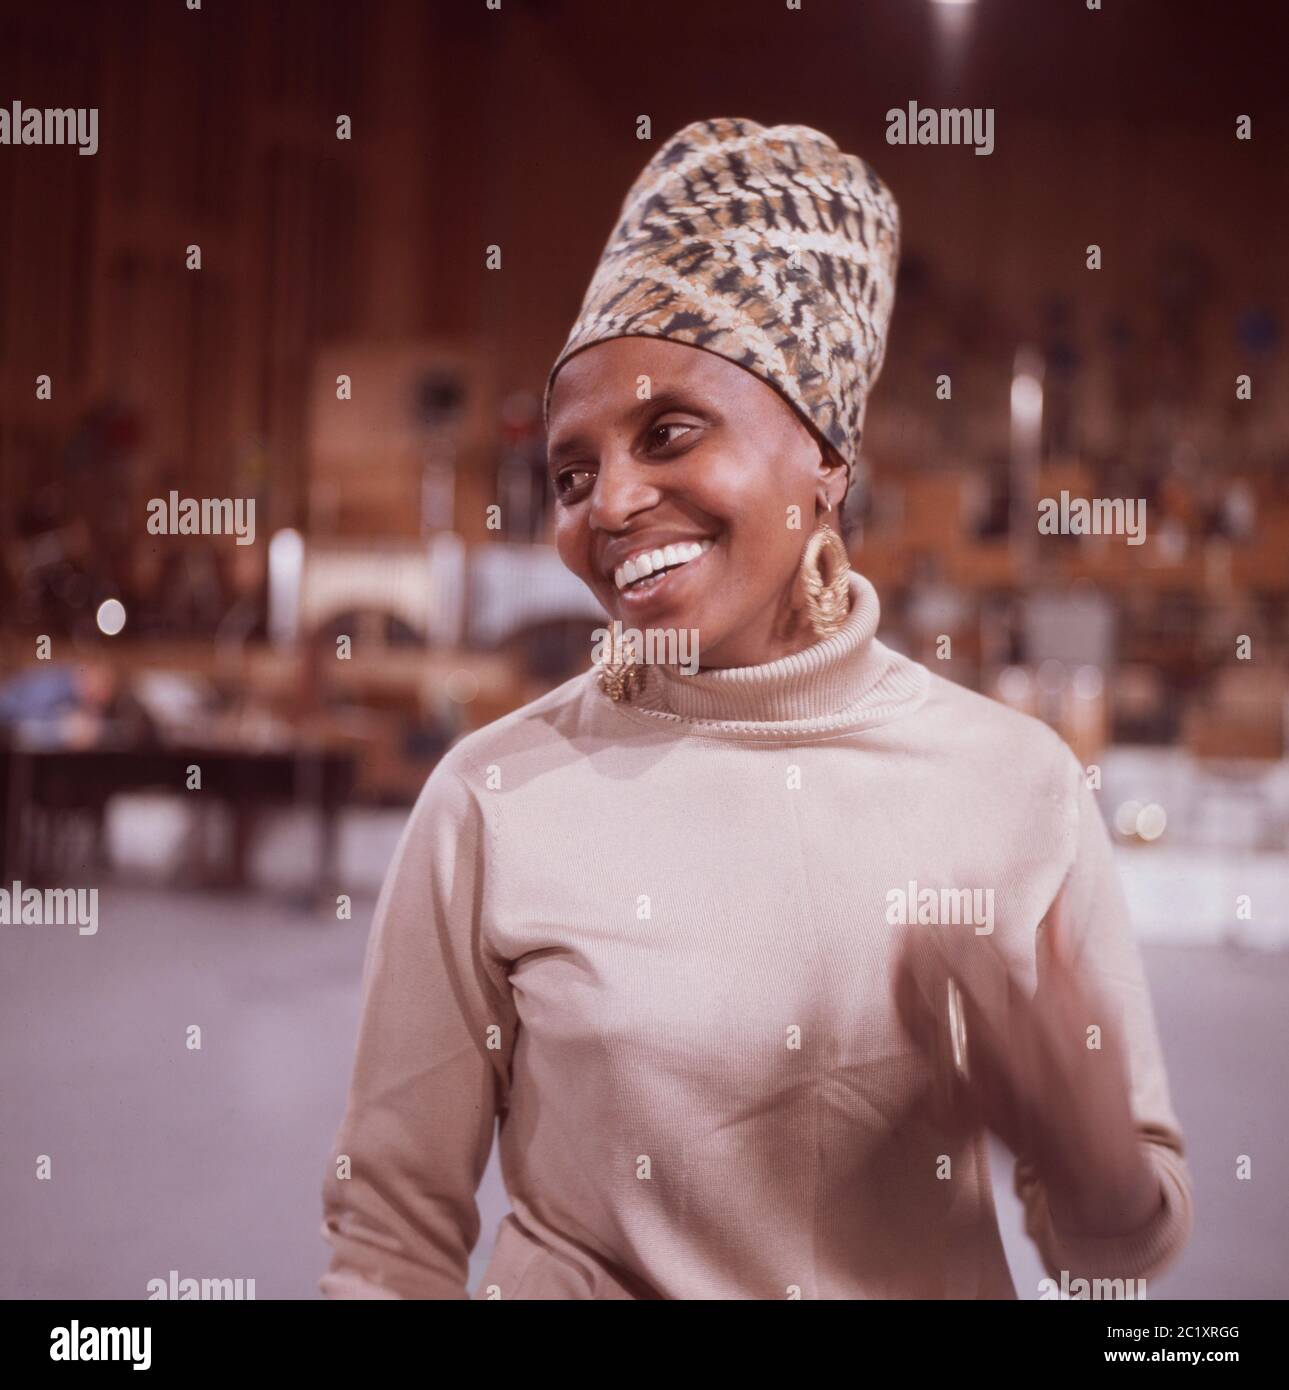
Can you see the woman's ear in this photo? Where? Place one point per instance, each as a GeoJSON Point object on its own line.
{"type": "Point", "coordinates": [832, 478]}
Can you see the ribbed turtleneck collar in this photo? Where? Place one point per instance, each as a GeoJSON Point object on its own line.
{"type": "Point", "coordinates": [848, 680]}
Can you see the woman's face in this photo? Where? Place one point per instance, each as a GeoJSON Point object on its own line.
{"type": "Point", "coordinates": [712, 455]}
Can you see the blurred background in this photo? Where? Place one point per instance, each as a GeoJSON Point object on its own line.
{"type": "Point", "coordinates": [347, 357]}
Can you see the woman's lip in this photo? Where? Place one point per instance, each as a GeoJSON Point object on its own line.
{"type": "Point", "coordinates": [664, 589]}
{"type": "Point", "coordinates": [646, 556]}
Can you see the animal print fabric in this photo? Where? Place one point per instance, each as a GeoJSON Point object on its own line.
{"type": "Point", "coordinates": [767, 246]}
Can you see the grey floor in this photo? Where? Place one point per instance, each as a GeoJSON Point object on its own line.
{"type": "Point", "coordinates": [209, 1162]}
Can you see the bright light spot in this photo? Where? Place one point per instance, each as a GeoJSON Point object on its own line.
{"type": "Point", "coordinates": [286, 572]}
{"type": "Point", "coordinates": [1088, 682]}
{"type": "Point", "coordinates": [1051, 676]}
{"type": "Point", "coordinates": [1027, 396]}
{"type": "Point", "coordinates": [1151, 821]}
{"type": "Point", "coordinates": [461, 686]}
{"type": "Point", "coordinates": [1027, 400]}
{"type": "Point", "coordinates": [1013, 684]}
{"type": "Point", "coordinates": [1027, 379]}
{"type": "Point", "coordinates": [1125, 818]}
{"type": "Point", "coordinates": [110, 616]}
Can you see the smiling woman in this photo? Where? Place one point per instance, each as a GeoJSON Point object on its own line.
{"type": "Point", "coordinates": [643, 922]}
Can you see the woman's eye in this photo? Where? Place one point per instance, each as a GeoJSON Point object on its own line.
{"type": "Point", "coordinates": [660, 436]}
{"type": "Point", "coordinates": [568, 480]}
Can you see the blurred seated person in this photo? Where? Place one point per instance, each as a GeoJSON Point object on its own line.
{"type": "Point", "coordinates": [69, 705]}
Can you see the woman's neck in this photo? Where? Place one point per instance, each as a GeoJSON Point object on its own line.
{"type": "Point", "coordinates": [785, 631]}
{"type": "Point", "coordinates": [846, 680]}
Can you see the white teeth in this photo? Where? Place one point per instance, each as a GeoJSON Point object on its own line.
{"type": "Point", "coordinates": [651, 561]}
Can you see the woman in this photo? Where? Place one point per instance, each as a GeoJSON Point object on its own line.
{"type": "Point", "coordinates": [747, 960]}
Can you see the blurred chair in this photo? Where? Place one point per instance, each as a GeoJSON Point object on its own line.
{"type": "Point", "coordinates": [515, 586]}
{"type": "Point", "coordinates": [421, 583]}
{"type": "Point", "coordinates": [551, 651]}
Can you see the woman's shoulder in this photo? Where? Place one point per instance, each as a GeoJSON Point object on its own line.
{"type": "Point", "coordinates": [550, 719]}
{"type": "Point", "coordinates": [987, 731]}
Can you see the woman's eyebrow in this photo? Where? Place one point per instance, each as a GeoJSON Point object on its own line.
{"type": "Point", "coordinates": [574, 444]}
{"type": "Point", "coordinates": [668, 399]}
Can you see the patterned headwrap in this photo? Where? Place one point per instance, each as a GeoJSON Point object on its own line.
{"type": "Point", "coordinates": [768, 247]}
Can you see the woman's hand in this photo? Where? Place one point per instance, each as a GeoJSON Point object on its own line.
{"type": "Point", "coordinates": [1031, 1075]}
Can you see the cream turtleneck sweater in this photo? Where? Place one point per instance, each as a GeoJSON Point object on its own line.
{"type": "Point", "coordinates": [654, 940]}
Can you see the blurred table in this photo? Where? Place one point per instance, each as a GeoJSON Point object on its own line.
{"type": "Point", "coordinates": [58, 781]}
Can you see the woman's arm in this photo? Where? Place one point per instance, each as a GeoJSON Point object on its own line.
{"type": "Point", "coordinates": [1071, 1077]}
{"type": "Point", "coordinates": [1114, 1204]}
{"type": "Point", "coordinates": [431, 1069]}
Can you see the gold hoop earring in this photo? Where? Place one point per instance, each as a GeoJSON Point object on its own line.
{"type": "Point", "coordinates": [621, 675]}
{"type": "Point", "coordinates": [825, 580]}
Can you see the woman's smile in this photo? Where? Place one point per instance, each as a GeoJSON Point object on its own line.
{"type": "Point", "coordinates": [659, 577]}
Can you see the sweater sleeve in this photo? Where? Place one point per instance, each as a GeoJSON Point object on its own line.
{"type": "Point", "coordinates": [1090, 913]}
{"type": "Point", "coordinates": [431, 1069]}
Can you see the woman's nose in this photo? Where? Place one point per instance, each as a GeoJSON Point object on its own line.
{"type": "Point", "coordinates": [622, 488]}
